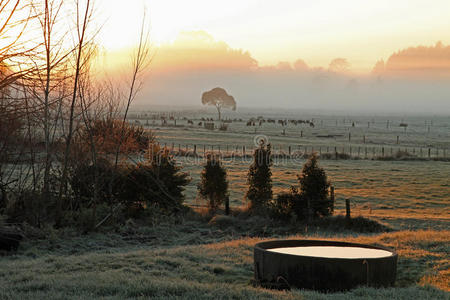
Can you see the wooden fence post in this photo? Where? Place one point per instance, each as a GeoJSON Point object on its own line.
{"type": "Point", "coordinates": [227, 205]}
{"type": "Point", "coordinates": [347, 209]}
{"type": "Point", "coordinates": [332, 197]}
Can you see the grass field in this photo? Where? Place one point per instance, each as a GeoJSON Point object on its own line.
{"type": "Point", "coordinates": [193, 259]}
{"type": "Point", "coordinates": [182, 261]}
{"type": "Point", "coordinates": [196, 259]}
{"type": "Point", "coordinates": [407, 195]}
{"type": "Point", "coordinates": [329, 130]}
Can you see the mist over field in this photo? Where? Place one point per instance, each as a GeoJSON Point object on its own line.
{"type": "Point", "coordinates": [413, 80]}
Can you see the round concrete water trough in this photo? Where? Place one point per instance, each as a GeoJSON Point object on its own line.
{"type": "Point", "coordinates": [323, 265]}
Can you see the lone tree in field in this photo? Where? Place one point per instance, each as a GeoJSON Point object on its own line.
{"type": "Point", "coordinates": [219, 98]}
{"type": "Point", "coordinates": [314, 188]}
{"type": "Point", "coordinates": [213, 185]}
{"type": "Point", "coordinates": [259, 178]}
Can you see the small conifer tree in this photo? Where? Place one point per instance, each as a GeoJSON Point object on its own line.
{"type": "Point", "coordinates": [213, 185]}
{"type": "Point", "coordinates": [169, 181]}
{"type": "Point", "coordinates": [159, 183]}
{"type": "Point", "coordinates": [259, 178]}
{"type": "Point", "coordinates": [314, 188]}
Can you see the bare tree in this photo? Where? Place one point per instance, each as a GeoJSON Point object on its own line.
{"type": "Point", "coordinates": [49, 77]}
{"type": "Point", "coordinates": [84, 18]}
{"type": "Point", "coordinates": [14, 19]}
{"type": "Point", "coordinates": [141, 59]}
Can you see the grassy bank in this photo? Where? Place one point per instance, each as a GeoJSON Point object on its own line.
{"type": "Point", "coordinates": [192, 261]}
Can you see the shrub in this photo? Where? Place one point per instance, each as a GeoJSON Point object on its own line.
{"type": "Point", "coordinates": [288, 203]}
{"type": "Point", "coordinates": [311, 197]}
{"type": "Point", "coordinates": [30, 206]}
{"type": "Point", "coordinates": [85, 178]}
{"type": "Point", "coordinates": [108, 133]}
{"type": "Point", "coordinates": [282, 205]}
{"type": "Point", "coordinates": [314, 188]}
{"type": "Point", "coordinates": [157, 183]}
{"type": "Point", "coordinates": [259, 178]}
{"type": "Point", "coordinates": [213, 185]}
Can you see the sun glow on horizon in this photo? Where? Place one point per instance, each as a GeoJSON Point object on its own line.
{"type": "Point", "coordinates": [274, 31]}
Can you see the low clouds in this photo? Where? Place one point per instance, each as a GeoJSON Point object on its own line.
{"type": "Point", "coordinates": [195, 63]}
{"type": "Point", "coordinates": [339, 65]}
{"type": "Point", "coordinates": [198, 50]}
{"type": "Point", "coordinates": [418, 61]}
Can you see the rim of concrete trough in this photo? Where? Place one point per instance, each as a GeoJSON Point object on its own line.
{"type": "Point", "coordinates": [283, 271]}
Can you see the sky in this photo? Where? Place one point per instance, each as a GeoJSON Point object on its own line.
{"type": "Point", "coordinates": [285, 30]}
{"type": "Point", "coordinates": [343, 55]}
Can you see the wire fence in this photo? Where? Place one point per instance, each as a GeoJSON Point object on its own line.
{"type": "Point", "coordinates": [325, 152]}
